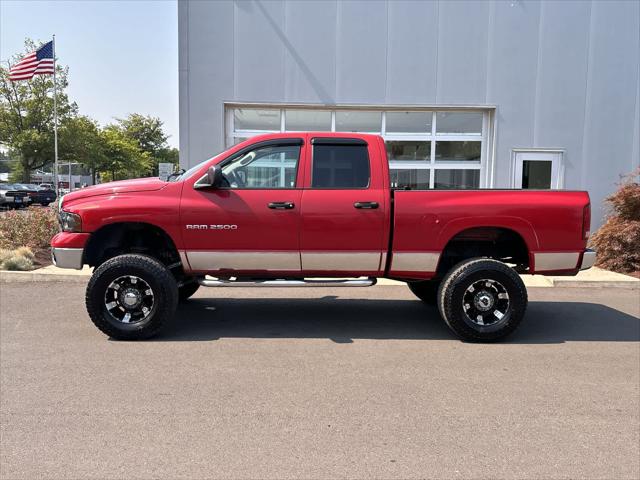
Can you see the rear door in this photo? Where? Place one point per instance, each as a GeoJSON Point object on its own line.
{"type": "Point", "coordinates": [252, 224]}
{"type": "Point", "coordinates": [344, 208]}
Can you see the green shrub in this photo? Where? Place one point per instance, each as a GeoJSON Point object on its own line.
{"type": "Point", "coordinates": [17, 262]}
{"type": "Point", "coordinates": [33, 227]}
{"type": "Point", "coordinates": [25, 252]}
{"type": "Point", "coordinates": [618, 240]}
{"type": "Point", "coordinates": [5, 255]}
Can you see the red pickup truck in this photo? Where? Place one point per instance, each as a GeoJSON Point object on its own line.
{"type": "Point", "coordinates": [314, 209]}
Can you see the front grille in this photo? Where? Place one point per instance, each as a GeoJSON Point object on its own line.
{"type": "Point", "coordinates": [14, 194]}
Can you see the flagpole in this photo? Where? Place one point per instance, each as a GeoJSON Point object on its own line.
{"type": "Point", "coordinates": [55, 123]}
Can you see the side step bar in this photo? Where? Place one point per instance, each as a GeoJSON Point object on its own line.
{"type": "Point", "coordinates": [357, 282]}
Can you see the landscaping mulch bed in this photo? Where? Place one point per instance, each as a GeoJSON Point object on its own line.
{"type": "Point", "coordinates": [42, 257]}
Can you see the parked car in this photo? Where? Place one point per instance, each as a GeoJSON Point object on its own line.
{"type": "Point", "coordinates": [12, 196]}
{"type": "Point", "coordinates": [286, 209]}
{"type": "Point", "coordinates": [39, 195]}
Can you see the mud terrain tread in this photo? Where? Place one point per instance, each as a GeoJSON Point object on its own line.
{"type": "Point", "coordinates": [155, 273]}
{"type": "Point", "coordinates": [457, 275]}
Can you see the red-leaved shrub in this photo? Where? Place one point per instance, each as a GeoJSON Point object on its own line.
{"type": "Point", "coordinates": [618, 240]}
{"type": "Point", "coordinates": [32, 227]}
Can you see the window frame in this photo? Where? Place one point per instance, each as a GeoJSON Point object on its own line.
{"type": "Point", "coordinates": [284, 142]}
{"type": "Point", "coordinates": [341, 141]}
{"type": "Point", "coordinates": [485, 165]}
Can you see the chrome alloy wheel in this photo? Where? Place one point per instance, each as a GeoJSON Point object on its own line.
{"type": "Point", "coordinates": [129, 299]}
{"type": "Point", "coordinates": [486, 303]}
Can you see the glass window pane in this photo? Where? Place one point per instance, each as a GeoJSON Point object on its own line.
{"type": "Point", "coordinates": [340, 166]}
{"type": "Point", "coordinates": [250, 119]}
{"type": "Point", "coordinates": [408, 122]}
{"type": "Point", "coordinates": [454, 123]}
{"type": "Point", "coordinates": [413, 179]}
{"type": "Point", "coordinates": [457, 179]}
{"type": "Point", "coordinates": [266, 167]}
{"type": "Point", "coordinates": [408, 151]}
{"type": "Point", "coordinates": [358, 121]}
{"type": "Point", "coordinates": [238, 140]}
{"type": "Point", "coordinates": [536, 174]}
{"type": "Point", "coordinates": [308, 120]}
{"type": "Point", "coordinates": [458, 151]}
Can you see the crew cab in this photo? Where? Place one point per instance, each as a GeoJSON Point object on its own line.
{"type": "Point", "coordinates": [314, 210]}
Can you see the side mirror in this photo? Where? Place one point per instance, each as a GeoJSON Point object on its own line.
{"type": "Point", "coordinates": [213, 178]}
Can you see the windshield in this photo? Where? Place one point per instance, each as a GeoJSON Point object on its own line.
{"type": "Point", "coordinates": [186, 174]}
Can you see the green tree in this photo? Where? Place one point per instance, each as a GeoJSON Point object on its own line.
{"type": "Point", "coordinates": [123, 157]}
{"type": "Point", "coordinates": [148, 133]}
{"type": "Point", "coordinates": [81, 141]}
{"type": "Point", "coordinates": [26, 114]}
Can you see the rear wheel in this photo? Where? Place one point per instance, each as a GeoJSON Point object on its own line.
{"type": "Point", "coordinates": [131, 297]}
{"type": "Point", "coordinates": [427, 290]}
{"type": "Point", "coordinates": [482, 300]}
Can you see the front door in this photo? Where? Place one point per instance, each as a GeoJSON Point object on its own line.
{"type": "Point", "coordinates": [343, 209]}
{"type": "Point", "coordinates": [252, 224]}
{"type": "Point", "coordinates": [538, 170]}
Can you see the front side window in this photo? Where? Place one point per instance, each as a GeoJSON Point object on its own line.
{"type": "Point", "coordinates": [340, 166]}
{"type": "Point", "coordinates": [265, 167]}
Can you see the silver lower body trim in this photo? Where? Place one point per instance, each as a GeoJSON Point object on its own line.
{"type": "Point", "coordinates": [357, 282]}
{"type": "Point", "coordinates": [184, 260]}
{"type": "Point", "coordinates": [214, 261]}
{"type": "Point", "coordinates": [549, 262]}
{"type": "Point", "coordinates": [415, 261]}
{"type": "Point", "coordinates": [67, 257]}
{"type": "Point", "coordinates": [588, 259]}
{"type": "Point", "coordinates": [337, 261]}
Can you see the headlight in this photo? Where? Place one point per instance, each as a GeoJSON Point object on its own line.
{"type": "Point", "coordinates": [70, 222]}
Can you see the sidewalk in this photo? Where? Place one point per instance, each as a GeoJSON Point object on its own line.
{"type": "Point", "coordinates": [593, 278]}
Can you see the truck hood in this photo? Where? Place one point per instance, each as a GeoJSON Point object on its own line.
{"type": "Point", "coordinates": [122, 186]}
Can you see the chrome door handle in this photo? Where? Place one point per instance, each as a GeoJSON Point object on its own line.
{"type": "Point", "coordinates": [281, 205]}
{"type": "Point", "coordinates": [366, 205]}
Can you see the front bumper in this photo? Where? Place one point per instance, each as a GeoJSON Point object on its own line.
{"type": "Point", "coordinates": [588, 259]}
{"type": "Point", "coordinates": [67, 257]}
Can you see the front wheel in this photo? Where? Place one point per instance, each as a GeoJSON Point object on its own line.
{"type": "Point", "coordinates": [186, 290]}
{"type": "Point", "coordinates": [131, 297]}
{"type": "Point", "coordinates": [482, 300]}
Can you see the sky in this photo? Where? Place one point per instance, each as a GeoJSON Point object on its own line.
{"type": "Point", "coordinates": [122, 55]}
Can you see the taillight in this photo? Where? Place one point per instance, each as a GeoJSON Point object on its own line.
{"type": "Point", "coordinates": [586, 221]}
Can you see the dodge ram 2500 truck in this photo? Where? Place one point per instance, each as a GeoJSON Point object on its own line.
{"type": "Point", "coordinates": [314, 209]}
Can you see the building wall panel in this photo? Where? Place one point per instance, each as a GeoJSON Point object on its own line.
{"type": "Point", "coordinates": [361, 52]}
{"type": "Point", "coordinates": [411, 63]}
{"type": "Point", "coordinates": [462, 52]}
{"type": "Point", "coordinates": [561, 82]}
{"type": "Point", "coordinates": [310, 51]}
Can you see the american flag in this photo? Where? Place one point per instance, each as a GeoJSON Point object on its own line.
{"type": "Point", "coordinates": [39, 62]}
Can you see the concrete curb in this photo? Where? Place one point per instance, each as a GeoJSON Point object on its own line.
{"type": "Point", "coordinates": [601, 279]}
{"type": "Point", "coordinates": [35, 276]}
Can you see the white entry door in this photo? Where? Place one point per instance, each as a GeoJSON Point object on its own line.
{"type": "Point", "coordinates": [538, 170]}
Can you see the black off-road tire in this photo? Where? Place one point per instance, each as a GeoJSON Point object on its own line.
{"type": "Point", "coordinates": [426, 290]}
{"type": "Point", "coordinates": [187, 290]}
{"type": "Point", "coordinates": [155, 274]}
{"type": "Point", "coordinates": [455, 285]}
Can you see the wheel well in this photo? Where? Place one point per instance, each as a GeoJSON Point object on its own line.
{"type": "Point", "coordinates": [492, 242]}
{"type": "Point", "coordinates": [131, 237]}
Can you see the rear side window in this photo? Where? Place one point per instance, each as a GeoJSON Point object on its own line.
{"type": "Point", "coordinates": [340, 166]}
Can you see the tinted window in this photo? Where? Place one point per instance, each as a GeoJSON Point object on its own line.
{"type": "Point", "coordinates": [340, 166]}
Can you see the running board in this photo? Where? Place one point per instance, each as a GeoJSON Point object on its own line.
{"type": "Point", "coordinates": [358, 282]}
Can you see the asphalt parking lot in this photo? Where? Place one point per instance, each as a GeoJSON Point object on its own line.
{"type": "Point", "coordinates": [326, 383]}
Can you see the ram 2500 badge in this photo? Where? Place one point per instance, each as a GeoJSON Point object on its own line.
{"type": "Point", "coordinates": [314, 209]}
